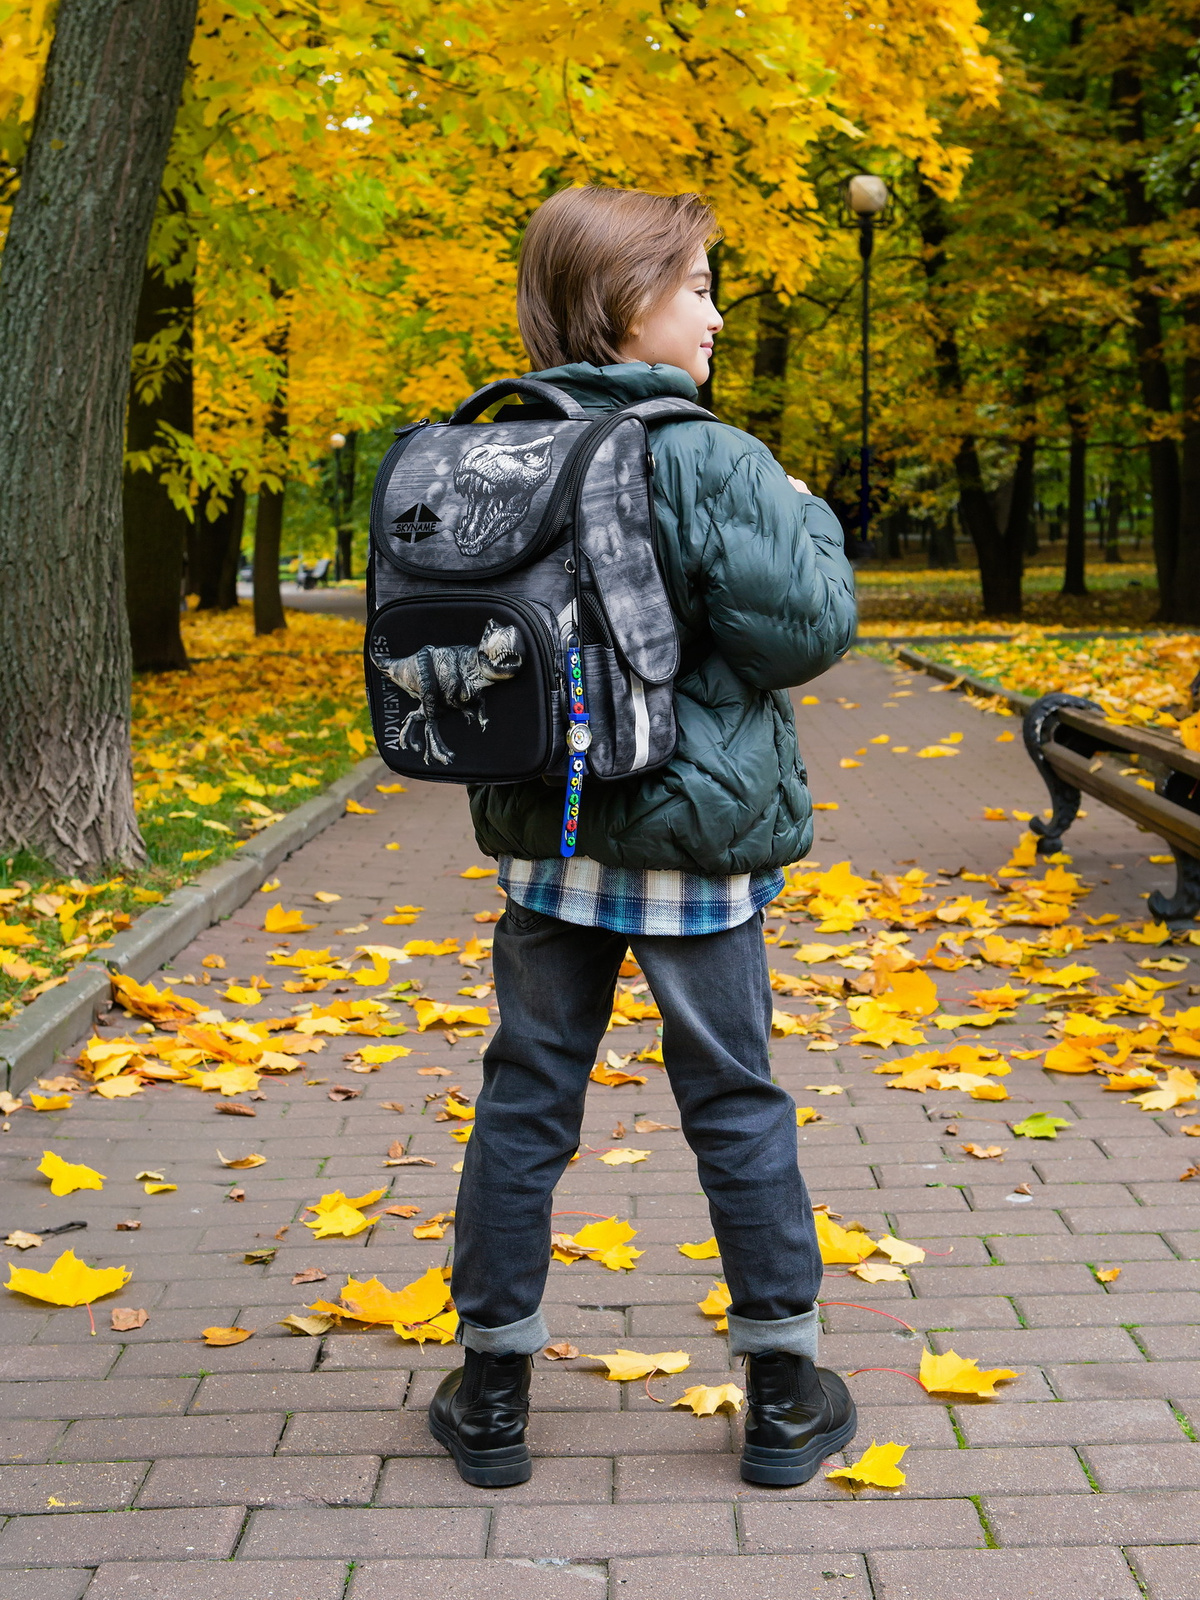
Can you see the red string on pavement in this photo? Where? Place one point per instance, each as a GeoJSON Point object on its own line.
{"type": "Point", "coordinates": [896, 1370]}
{"type": "Point", "coordinates": [850, 1306]}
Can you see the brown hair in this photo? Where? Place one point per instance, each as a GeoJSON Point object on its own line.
{"type": "Point", "coordinates": [593, 260]}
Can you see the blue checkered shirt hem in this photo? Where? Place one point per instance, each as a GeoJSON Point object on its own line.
{"type": "Point", "coordinates": [675, 904]}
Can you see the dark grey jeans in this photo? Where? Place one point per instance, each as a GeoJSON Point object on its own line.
{"type": "Point", "coordinates": [555, 983]}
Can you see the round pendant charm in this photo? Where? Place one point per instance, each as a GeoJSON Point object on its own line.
{"type": "Point", "coordinates": [579, 736]}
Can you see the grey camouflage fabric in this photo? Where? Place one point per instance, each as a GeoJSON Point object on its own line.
{"type": "Point", "coordinates": [762, 597]}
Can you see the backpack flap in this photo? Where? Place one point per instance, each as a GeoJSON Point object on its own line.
{"type": "Point", "coordinates": [473, 502]}
{"type": "Point", "coordinates": [616, 532]}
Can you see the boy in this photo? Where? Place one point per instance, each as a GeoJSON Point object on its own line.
{"type": "Point", "coordinates": [614, 306]}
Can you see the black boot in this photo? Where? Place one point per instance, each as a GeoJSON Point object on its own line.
{"type": "Point", "coordinates": [797, 1414]}
{"type": "Point", "coordinates": [479, 1413]}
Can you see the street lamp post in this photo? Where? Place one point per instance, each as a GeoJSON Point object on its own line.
{"type": "Point", "coordinates": [866, 197]}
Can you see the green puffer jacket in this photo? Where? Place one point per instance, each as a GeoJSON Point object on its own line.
{"type": "Point", "coordinates": [757, 572]}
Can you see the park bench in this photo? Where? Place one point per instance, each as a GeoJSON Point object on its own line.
{"type": "Point", "coordinates": [310, 577]}
{"type": "Point", "coordinates": [1145, 774]}
{"type": "Point", "coordinates": [1078, 751]}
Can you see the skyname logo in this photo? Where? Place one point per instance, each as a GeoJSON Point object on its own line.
{"type": "Point", "coordinates": [417, 523]}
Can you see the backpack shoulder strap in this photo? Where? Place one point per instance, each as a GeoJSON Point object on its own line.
{"type": "Point", "coordinates": [668, 408]}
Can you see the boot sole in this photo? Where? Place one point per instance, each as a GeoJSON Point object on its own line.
{"type": "Point", "coordinates": [788, 1468]}
{"type": "Point", "coordinates": [486, 1469]}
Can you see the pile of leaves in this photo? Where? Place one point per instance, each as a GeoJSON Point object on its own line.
{"type": "Point", "coordinates": [1142, 679]}
{"type": "Point", "coordinates": [254, 729]}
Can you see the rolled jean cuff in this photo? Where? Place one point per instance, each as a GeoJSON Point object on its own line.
{"type": "Point", "coordinates": [796, 1335]}
{"type": "Point", "coordinates": [524, 1338]}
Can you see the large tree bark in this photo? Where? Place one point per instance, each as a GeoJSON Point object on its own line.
{"type": "Point", "coordinates": [765, 420]}
{"type": "Point", "coordinates": [1186, 597]}
{"type": "Point", "coordinates": [156, 530]}
{"type": "Point", "coordinates": [218, 544]}
{"type": "Point", "coordinates": [344, 463]}
{"type": "Point", "coordinates": [72, 271]}
{"type": "Point", "coordinates": [1074, 581]}
{"type": "Point", "coordinates": [1147, 336]}
{"type": "Point", "coordinates": [1000, 553]}
{"type": "Point", "coordinates": [268, 522]}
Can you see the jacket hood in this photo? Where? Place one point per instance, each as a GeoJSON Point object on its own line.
{"type": "Point", "coordinates": [606, 388]}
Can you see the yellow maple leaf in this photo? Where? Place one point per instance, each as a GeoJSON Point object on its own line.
{"type": "Point", "coordinates": [119, 1088]}
{"type": "Point", "coordinates": [912, 993]}
{"type": "Point", "coordinates": [624, 1365]}
{"type": "Point", "coordinates": [613, 1077]}
{"type": "Point", "coordinates": [717, 1301]}
{"type": "Point", "coordinates": [1177, 1088]}
{"type": "Point", "coordinates": [225, 1336]}
{"type": "Point", "coordinates": [440, 1329]}
{"type": "Point", "coordinates": [840, 1246]}
{"type": "Point", "coordinates": [381, 1054]}
{"type": "Point", "coordinates": [605, 1234]}
{"type": "Point", "coordinates": [805, 1114]}
{"type": "Point", "coordinates": [900, 1251]}
{"type": "Point", "coordinates": [1148, 933]}
{"type": "Point", "coordinates": [65, 1177]}
{"type": "Point", "coordinates": [624, 1157]}
{"type": "Point", "coordinates": [339, 1215]}
{"type": "Point", "coordinates": [242, 996]}
{"type": "Point", "coordinates": [277, 920]}
{"type": "Point", "coordinates": [479, 872]}
{"type": "Point", "coordinates": [952, 1374]}
{"type": "Point", "coordinates": [877, 1468]}
{"type": "Point", "coordinates": [708, 1251]}
{"type": "Point", "coordinates": [879, 1272]}
{"type": "Point", "coordinates": [357, 741]}
{"type": "Point", "coordinates": [69, 1282]}
{"type": "Point", "coordinates": [355, 810]}
{"type": "Point", "coordinates": [51, 1102]}
{"type": "Point", "coordinates": [705, 1399]}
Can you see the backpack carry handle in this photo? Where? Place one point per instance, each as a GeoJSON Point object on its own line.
{"type": "Point", "coordinates": [475, 405]}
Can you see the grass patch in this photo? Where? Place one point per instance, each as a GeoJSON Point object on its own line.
{"type": "Point", "coordinates": [253, 730]}
{"type": "Point", "coordinates": [897, 598]}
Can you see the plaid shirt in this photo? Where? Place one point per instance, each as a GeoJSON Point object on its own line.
{"type": "Point", "coordinates": [627, 901]}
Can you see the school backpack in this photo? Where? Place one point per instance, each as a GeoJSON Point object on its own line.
{"type": "Point", "coordinates": [518, 625]}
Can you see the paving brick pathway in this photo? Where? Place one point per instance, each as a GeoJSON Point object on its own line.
{"type": "Point", "coordinates": [145, 1464]}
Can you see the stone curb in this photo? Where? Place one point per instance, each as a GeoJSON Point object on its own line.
{"type": "Point", "coordinates": [29, 1045]}
{"type": "Point", "coordinates": [1020, 703]}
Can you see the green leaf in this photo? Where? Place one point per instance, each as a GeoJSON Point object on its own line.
{"type": "Point", "coordinates": [1040, 1125]}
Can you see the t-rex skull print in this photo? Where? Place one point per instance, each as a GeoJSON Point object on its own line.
{"type": "Point", "coordinates": [498, 481]}
{"type": "Point", "coordinates": [450, 678]}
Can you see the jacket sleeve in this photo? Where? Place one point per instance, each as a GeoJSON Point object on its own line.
{"type": "Point", "coordinates": [774, 576]}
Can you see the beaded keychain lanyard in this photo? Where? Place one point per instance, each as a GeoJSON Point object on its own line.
{"type": "Point", "coordinates": [579, 738]}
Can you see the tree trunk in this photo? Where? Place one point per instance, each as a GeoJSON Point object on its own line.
{"type": "Point", "coordinates": [156, 530]}
{"type": "Point", "coordinates": [1147, 335]}
{"type": "Point", "coordinates": [1001, 564]}
{"type": "Point", "coordinates": [1074, 582]}
{"type": "Point", "coordinates": [73, 263]}
{"type": "Point", "coordinates": [943, 549]}
{"type": "Point", "coordinates": [1186, 599]}
{"type": "Point", "coordinates": [1116, 504]}
{"type": "Point", "coordinates": [218, 543]}
{"type": "Point", "coordinates": [344, 462]}
{"type": "Point", "coordinates": [1020, 529]}
{"type": "Point", "coordinates": [268, 523]}
{"type": "Point", "coordinates": [765, 420]}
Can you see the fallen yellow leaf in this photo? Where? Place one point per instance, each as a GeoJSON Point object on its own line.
{"type": "Point", "coordinates": [119, 1088]}
{"type": "Point", "coordinates": [277, 920]}
{"type": "Point", "coordinates": [65, 1177]}
{"type": "Point", "coordinates": [356, 810]}
{"type": "Point", "coordinates": [624, 1365]}
{"type": "Point", "coordinates": [479, 872]}
{"type": "Point", "coordinates": [622, 1158]}
{"type": "Point", "coordinates": [223, 1336]}
{"type": "Point", "coordinates": [241, 1162]}
{"type": "Point", "coordinates": [900, 1251]}
{"type": "Point", "coordinates": [879, 1272]}
{"type": "Point", "coordinates": [708, 1251]}
{"type": "Point", "coordinates": [952, 1374]}
{"type": "Point", "coordinates": [705, 1400]}
{"type": "Point", "coordinates": [69, 1282]}
{"type": "Point", "coordinates": [52, 1102]}
{"type": "Point", "coordinates": [877, 1468]}
{"type": "Point", "coordinates": [839, 1246]}
{"type": "Point", "coordinates": [1107, 1274]}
